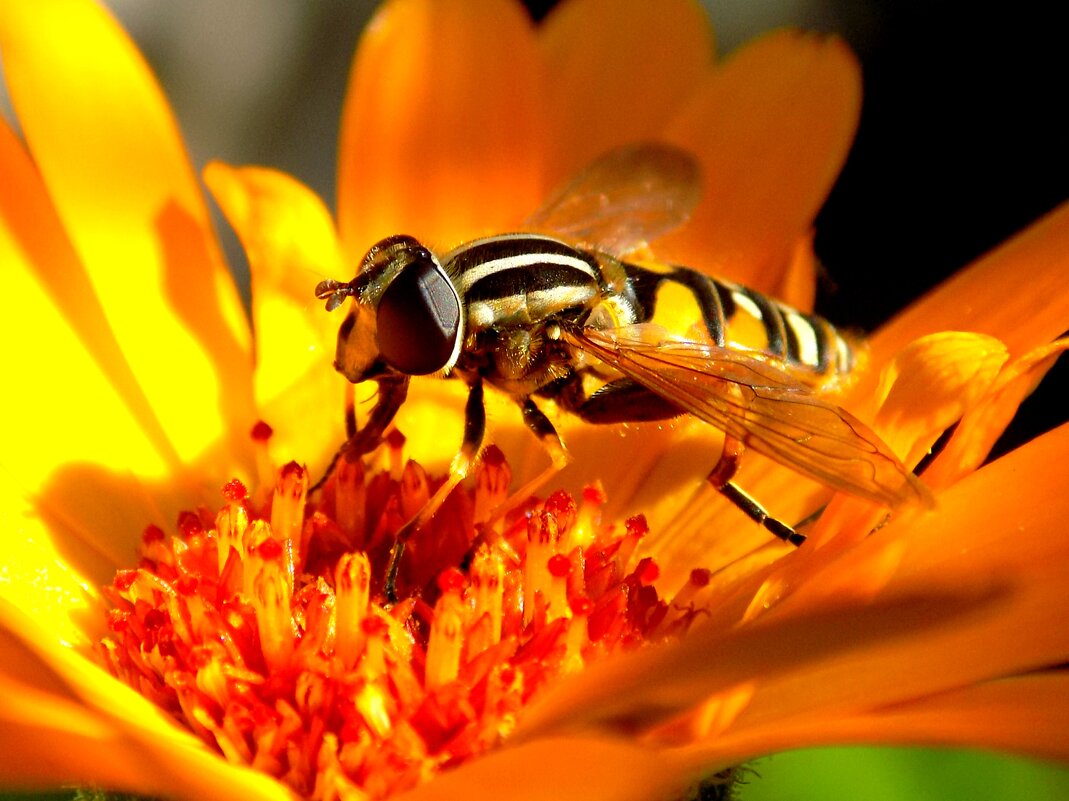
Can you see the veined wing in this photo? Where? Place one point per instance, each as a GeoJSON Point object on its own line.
{"type": "Point", "coordinates": [624, 199]}
{"type": "Point", "coordinates": [761, 405]}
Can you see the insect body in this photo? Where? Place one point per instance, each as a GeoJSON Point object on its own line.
{"type": "Point", "coordinates": [540, 318]}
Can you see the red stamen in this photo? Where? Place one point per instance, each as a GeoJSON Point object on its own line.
{"type": "Point", "coordinates": [559, 565]}
{"type": "Point", "coordinates": [234, 491]}
{"type": "Point", "coordinates": [261, 432]}
{"type": "Point", "coordinates": [260, 628]}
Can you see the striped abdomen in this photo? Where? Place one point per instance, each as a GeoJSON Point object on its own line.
{"type": "Point", "coordinates": [681, 299]}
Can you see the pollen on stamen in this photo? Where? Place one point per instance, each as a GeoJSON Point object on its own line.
{"type": "Point", "coordinates": [262, 626]}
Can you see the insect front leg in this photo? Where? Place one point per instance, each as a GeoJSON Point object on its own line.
{"type": "Point", "coordinates": [393, 389]}
{"type": "Point", "coordinates": [474, 434]}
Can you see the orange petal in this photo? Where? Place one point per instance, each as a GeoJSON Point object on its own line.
{"type": "Point", "coordinates": [1026, 715]}
{"type": "Point", "coordinates": [110, 154]}
{"type": "Point", "coordinates": [64, 721]}
{"type": "Point", "coordinates": [569, 769]}
{"type": "Point", "coordinates": [996, 533]}
{"type": "Point", "coordinates": [442, 131]}
{"type": "Point", "coordinates": [628, 695]}
{"type": "Point", "coordinates": [616, 70]}
{"type": "Point", "coordinates": [983, 425]}
{"type": "Point", "coordinates": [771, 128]}
{"type": "Point", "coordinates": [289, 237]}
{"type": "Point", "coordinates": [976, 595]}
{"type": "Point", "coordinates": [1017, 293]}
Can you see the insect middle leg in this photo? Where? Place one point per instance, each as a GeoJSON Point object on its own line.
{"type": "Point", "coordinates": [626, 401]}
{"type": "Point", "coordinates": [539, 425]}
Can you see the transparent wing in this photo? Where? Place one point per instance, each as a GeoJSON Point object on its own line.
{"type": "Point", "coordinates": [762, 406]}
{"type": "Point", "coordinates": [624, 199]}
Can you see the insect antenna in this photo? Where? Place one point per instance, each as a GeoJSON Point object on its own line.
{"type": "Point", "coordinates": [334, 292]}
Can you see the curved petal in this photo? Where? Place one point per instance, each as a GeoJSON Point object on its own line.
{"type": "Point", "coordinates": [110, 154]}
{"type": "Point", "coordinates": [289, 237]}
{"type": "Point", "coordinates": [930, 385]}
{"type": "Point", "coordinates": [49, 571]}
{"type": "Point", "coordinates": [982, 426]}
{"type": "Point", "coordinates": [67, 722]}
{"type": "Point", "coordinates": [606, 85]}
{"type": "Point", "coordinates": [443, 126]}
{"type": "Point", "coordinates": [771, 128]}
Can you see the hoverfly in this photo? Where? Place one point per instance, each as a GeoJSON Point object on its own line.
{"type": "Point", "coordinates": [570, 318]}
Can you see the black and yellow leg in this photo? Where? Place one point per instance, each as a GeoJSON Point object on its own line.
{"type": "Point", "coordinates": [720, 478]}
{"type": "Point", "coordinates": [474, 431]}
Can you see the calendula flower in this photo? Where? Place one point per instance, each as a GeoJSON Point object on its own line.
{"type": "Point", "coordinates": [245, 651]}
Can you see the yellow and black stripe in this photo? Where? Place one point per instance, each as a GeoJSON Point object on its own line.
{"type": "Point", "coordinates": [732, 315]}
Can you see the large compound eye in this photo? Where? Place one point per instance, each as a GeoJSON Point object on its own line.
{"type": "Point", "coordinates": [419, 318]}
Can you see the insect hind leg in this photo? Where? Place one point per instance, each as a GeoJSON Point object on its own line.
{"type": "Point", "coordinates": [626, 400]}
{"type": "Point", "coordinates": [720, 479]}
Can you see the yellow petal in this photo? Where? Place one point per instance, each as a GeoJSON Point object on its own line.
{"type": "Point", "coordinates": [109, 152]}
{"type": "Point", "coordinates": [65, 722]}
{"type": "Point", "coordinates": [442, 130]}
{"type": "Point", "coordinates": [291, 244]}
{"type": "Point", "coordinates": [930, 385]}
{"type": "Point", "coordinates": [86, 462]}
{"type": "Point", "coordinates": [982, 426]}
{"type": "Point", "coordinates": [1017, 293]}
{"type": "Point", "coordinates": [51, 571]}
{"type": "Point", "coordinates": [606, 84]}
{"type": "Point", "coordinates": [771, 128]}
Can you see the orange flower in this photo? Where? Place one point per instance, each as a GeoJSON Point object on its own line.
{"type": "Point", "coordinates": [135, 388]}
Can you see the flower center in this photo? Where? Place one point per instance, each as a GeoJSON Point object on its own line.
{"type": "Point", "coordinates": [262, 627]}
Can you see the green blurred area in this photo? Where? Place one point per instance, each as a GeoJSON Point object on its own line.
{"type": "Point", "coordinates": [894, 774]}
{"type": "Point", "coordinates": [869, 774]}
